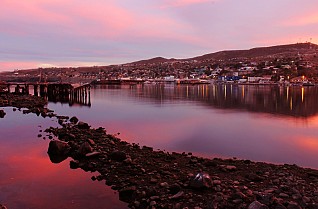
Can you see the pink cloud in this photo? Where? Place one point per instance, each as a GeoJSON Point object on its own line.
{"type": "Point", "coordinates": [22, 65]}
{"type": "Point", "coordinates": [12, 65]}
{"type": "Point", "coordinates": [182, 3]}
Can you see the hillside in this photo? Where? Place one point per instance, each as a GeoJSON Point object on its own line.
{"type": "Point", "coordinates": [153, 61]}
{"type": "Point", "coordinates": [259, 52]}
{"type": "Point", "coordinates": [290, 49]}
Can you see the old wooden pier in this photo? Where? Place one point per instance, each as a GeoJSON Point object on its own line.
{"type": "Point", "coordinates": [54, 92]}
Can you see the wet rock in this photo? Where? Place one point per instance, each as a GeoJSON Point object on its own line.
{"type": "Point", "coordinates": [257, 205]}
{"type": "Point", "coordinates": [174, 189]}
{"type": "Point", "coordinates": [2, 206]}
{"type": "Point", "coordinates": [90, 141]}
{"type": "Point", "coordinates": [201, 181]}
{"type": "Point", "coordinates": [83, 125]}
{"type": "Point", "coordinates": [58, 151]}
{"type": "Point", "coordinates": [126, 194]}
{"type": "Point", "coordinates": [2, 113]}
{"type": "Point", "coordinates": [312, 206]}
{"type": "Point", "coordinates": [118, 156]}
{"type": "Point", "coordinates": [178, 195]}
{"type": "Point", "coordinates": [293, 205]}
{"type": "Point", "coordinates": [74, 164]}
{"type": "Point", "coordinates": [92, 154]}
{"type": "Point", "coordinates": [85, 148]}
{"type": "Point", "coordinates": [254, 177]}
{"type": "Point", "coordinates": [230, 168]}
{"type": "Point", "coordinates": [279, 206]}
{"type": "Point", "coordinates": [74, 120]}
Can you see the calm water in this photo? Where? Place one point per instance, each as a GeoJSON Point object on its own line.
{"type": "Point", "coordinates": [261, 123]}
{"type": "Point", "coordinates": [28, 179]}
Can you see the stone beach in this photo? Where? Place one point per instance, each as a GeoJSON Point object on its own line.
{"type": "Point", "coordinates": [148, 178]}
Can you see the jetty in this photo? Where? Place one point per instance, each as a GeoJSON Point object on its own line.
{"type": "Point", "coordinates": [78, 93]}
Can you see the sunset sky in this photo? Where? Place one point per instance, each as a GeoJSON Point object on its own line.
{"type": "Point", "coordinates": [44, 33]}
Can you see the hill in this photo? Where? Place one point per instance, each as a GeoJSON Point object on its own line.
{"type": "Point", "coordinates": [280, 50]}
{"type": "Point", "coordinates": [153, 61]}
{"type": "Point", "coordinates": [259, 52]}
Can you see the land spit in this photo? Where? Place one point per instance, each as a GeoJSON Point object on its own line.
{"type": "Point", "coordinates": [148, 178]}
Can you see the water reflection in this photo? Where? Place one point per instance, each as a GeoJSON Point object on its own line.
{"type": "Point", "coordinates": [28, 179]}
{"type": "Point", "coordinates": [295, 101]}
{"type": "Point", "coordinates": [262, 123]}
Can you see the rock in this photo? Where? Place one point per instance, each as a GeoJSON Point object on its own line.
{"type": "Point", "coordinates": [90, 141]}
{"type": "Point", "coordinates": [126, 194]}
{"type": "Point", "coordinates": [312, 206]}
{"type": "Point", "coordinates": [283, 195]}
{"type": "Point", "coordinates": [254, 177]}
{"type": "Point", "coordinates": [153, 180]}
{"type": "Point", "coordinates": [152, 203]}
{"type": "Point", "coordinates": [2, 206]}
{"type": "Point", "coordinates": [82, 125]}
{"type": "Point", "coordinates": [230, 168]}
{"type": "Point", "coordinates": [257, 205]}
{"type": "Point", "coordinates": [293, 205]}
{"type": "Point", "coordinates": [201, 181]}
{"type": "Point", "coordinates": [164, 184]}
{"type": "Point", "coordinates": [118, 156]}
{"type": "Point", "coordinates": [74, 164]}
{"type": "Point", "coordinates": [2, 113]}
{"type": "Point", "coordinates": [279, 206]}
{"type": "Point", "coordinates": [93, 154]}
{"type": "Point", "coordinates": [178, 195]}
{"type": "Point", "coordinates": [58, 151]}
{"type": "Point", "coordinates": [174, 189]}
{"type": "Point", "coordinates": [74, 120]}
{"type": "Point", "coordinates": [85, 148]}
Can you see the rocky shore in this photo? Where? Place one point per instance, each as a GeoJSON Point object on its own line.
{"type": "Point", "coordinates": [148, 178]}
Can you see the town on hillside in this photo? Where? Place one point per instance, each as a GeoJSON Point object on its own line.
{"type": "Point", "coordinates": [295, 64]}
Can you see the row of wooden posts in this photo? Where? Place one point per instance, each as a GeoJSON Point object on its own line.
{"type": "Point", "coordinates": [64, 93]}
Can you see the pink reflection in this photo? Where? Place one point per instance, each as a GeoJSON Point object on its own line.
{"type": "Point", "coordinates": [30, 180]}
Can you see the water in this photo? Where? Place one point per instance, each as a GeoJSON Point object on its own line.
{"type": "Point", "coordinates": [28, 179]}
{"type": "Point", "coordinates": [261, 123]}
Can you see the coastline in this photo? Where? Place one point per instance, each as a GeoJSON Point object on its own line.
{"type": "Point", "coordinates": [155, 179]}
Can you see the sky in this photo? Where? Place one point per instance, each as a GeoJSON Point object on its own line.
{"type": "Point", "coordinates": [59, 33]}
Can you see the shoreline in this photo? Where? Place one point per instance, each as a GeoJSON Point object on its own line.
{"type": "Point", "coordinates": [145, 178]}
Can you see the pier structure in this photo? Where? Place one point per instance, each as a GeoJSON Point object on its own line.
{"type": "Point", "coordinates": [54, 92]}
{"type": "Point", "coordinates": [81, 93]}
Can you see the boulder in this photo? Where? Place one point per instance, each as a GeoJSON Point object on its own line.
{"type": "Point", "coordinates": [82, 125]}
{"type": "Point", "coordinates": [74, 120]}
{"type": "Point", "coordinates": [2, 113]}
{"type": "Point", "coordinates": [201, 181]}
{"type": "Point", "coordinates": [58, 151]}
{"type": "Point", "coordinates": [85, 148]}
{"type": "Point", "coordinates": [126, 194]}
{"type": "Point", "coordinates": [118, 156]}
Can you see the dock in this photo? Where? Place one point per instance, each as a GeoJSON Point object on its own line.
{"type": "Point", "coordinates": [54, 92]}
